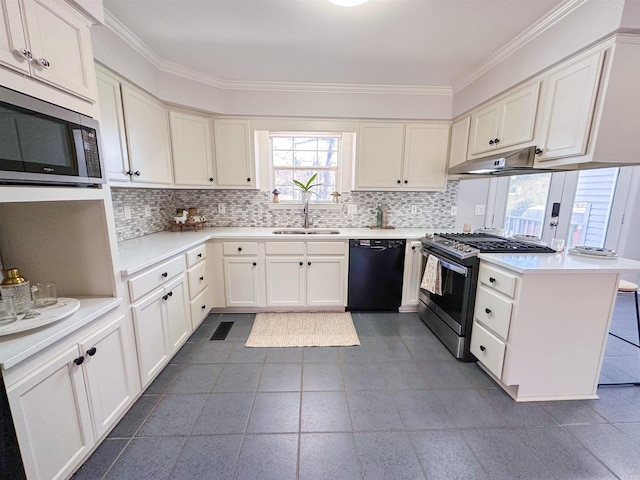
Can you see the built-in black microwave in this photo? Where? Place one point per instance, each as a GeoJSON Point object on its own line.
{"type": "Point", "coordinates": [42, 143]}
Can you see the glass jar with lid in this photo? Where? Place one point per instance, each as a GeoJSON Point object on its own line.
{"type": "Point", "coordinates": [17, 288]}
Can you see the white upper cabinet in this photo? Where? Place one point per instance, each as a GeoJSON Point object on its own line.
{"type": "Point", "coordinates": [112, 132]}
{"type": "Point", "coordinates": [235, 167]}
{"type": "Point", "coordinates": [459, 141]}
{"type": "Point", "coordinates": [147, 128]}
{"type": "Point", "coordinates": [50, 41]}
{"type": "Point", "coordinates": [380, 147]}
{"type": "Point", "coordinates": [567, 105]}
{"type": "Point", "coordinates": [399, 156]}
{"type": "Point", "coordinates": [505, 123]}
{"type": "Point", "coordinates": [192, 146]}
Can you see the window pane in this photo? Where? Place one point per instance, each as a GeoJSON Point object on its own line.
{"type": "Point", "coordinates": [306, 159]}
{"type": "Point", "coordinates": [592, 207]}
{"type": "Point", "coordinates": [328, 144]}
{"type": "Point", "coordinates": [306, 143]}
{"type": "Point", "coordinates": [526, 204]}
{"type": "Point", "coordinates": [282, 143]}
{"type": "Point", "coordinates": [283, 158]}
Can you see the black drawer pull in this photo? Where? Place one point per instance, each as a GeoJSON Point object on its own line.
{"type": "Point", "coordinates": [165, 274]}
{"type": "Point", "coordinates": [482, 348]}
{"type": "Point", "coordinates": [203, 307]}
{"type": "Point", "coordinates": [92, 351]}
{"type": "Point", "coordinates": [199, 255]}
{"type": "Point", "coordinates": [487, 311]}
{"type": "Point", "coordinates": [170, 294]}
{"type": "Point", "coordinates": [79, 360]}
{"type": "Point", "coordinates": [164, 297]}
{"type": "Point", "coordinates": [211, 179]}
{"type": "Point", "coordinates": [492, 280]}
{"type": "Point", "coordinates": [201, 278]}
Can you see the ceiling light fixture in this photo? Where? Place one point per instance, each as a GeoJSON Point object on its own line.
{"type": "Point", "coordinates": [348, 3]}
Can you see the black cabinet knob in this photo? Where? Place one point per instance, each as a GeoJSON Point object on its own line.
{"type": "Point", "coordinates": [211, 179]}
{"type": "Point", "coordinates": [79, 360]}
{"type": "Point", "coordinates": [490, 142]}
{"type": "Point", "coordinates": [538, 151]}
{"type": "Point", "coordinates": [201, 278]}
{"type": "Point", "coordinates": [203, 307]}
{"type": "Point", "coordinates": [92, 351]}
{"type": "Point", "coordinates": [248, 179]}
{"type": "Point", "coordinates": [199, 255]}
{"type": "Point", "coordinates": [492, 280]}
{"type": "Point", "coordinates": [399, 181]}
{"type": "Point", "coordinates": [254, 264]}
{"type": "Point", "coordinates": [170, 294]}
{"type": "Point", "coordinates": [239, 249]}
{"type": "Point", "coordinates": [496, 141]}
{"type": "Point", "coordinates": [406, 181]}
{"type": "Point", "coordinates": [301, 263]}
{"type": "Point", "coordinates": [165, 274]}
{"type": "Point", "coordinates": [309, 263]}
{"type": "Point", "coordinates": [413, 248]}
{"type": "Point", "coordinates": [137, 173]}
{"type": "Point", "coordinates": [482, 348]}
{"type": "Point", "coordinates": [164, 297]}
{"type": "Point", "coordinates": [487, 311]}
{"type": "Point", "coordinates": [129, 172]}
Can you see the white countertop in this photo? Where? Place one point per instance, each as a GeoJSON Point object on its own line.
{"type": "Point", "coordinates": [142, 252]}
{"type": "Point", "coordinates": [18, 347]}
{"type": "Point", "coordinates": [564, 262]}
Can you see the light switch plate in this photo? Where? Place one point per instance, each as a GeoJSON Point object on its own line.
{"type": "Point", "coordinates": [222, 208]}
{"type": "Point", "coordinates": [454, 210]}
{"type": "Point", "coordinates": [480, 209]}
{"type": "Point", "coordinates": [147, 210]}
{"type": "Point", "coordinates": [414, 209]}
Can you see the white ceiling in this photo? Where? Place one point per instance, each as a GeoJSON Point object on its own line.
{"type": "Point", "coordinates": [383, 42]}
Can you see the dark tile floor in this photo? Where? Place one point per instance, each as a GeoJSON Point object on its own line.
{"type": "Point", "coordinates": [399, 406]}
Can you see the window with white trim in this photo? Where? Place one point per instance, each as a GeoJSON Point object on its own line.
{"type": "Point", "coordinates": [298, 156]}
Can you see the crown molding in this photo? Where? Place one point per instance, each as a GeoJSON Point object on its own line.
{"type": "Point", "coordinates": [546, 22]}
{"type": "Point", "coordinates": [143, 49]}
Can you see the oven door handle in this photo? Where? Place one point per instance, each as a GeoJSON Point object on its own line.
{"type": "Point", "coordinates": [448, 265]}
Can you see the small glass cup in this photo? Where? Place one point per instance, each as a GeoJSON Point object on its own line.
{"type": "Point", "coordinates": [44, 294]}
{"type": "Point", "coordinates": [557, 244]}
{"type": "Point", "coordinates": [7, 312]}
{"type": "Point", "coordinates": [466, 228]}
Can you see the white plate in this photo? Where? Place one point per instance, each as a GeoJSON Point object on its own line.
{"type": "Point", "coordinates": [529, 238]}
{"type": "Point", "coordinates": [602, 252]}
{"type": "Point", "coordinates": [575, 252]}
{"type": "Point", "coordinates": [46, 315]}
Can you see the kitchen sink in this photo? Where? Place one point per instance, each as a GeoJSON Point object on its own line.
{"type": "Point", "coordinates": [305, 232]}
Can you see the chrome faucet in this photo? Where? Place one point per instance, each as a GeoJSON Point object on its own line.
{"type": "Point", "coordinates": [305, 212]}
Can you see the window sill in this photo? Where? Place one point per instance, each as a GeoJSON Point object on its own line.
{"type": "Point", "coordinates": [300, 206]}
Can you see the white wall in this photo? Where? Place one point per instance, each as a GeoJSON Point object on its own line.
{"type": "Point", "coordinates": [471, 193]}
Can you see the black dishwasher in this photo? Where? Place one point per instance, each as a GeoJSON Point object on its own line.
{"type": "Point", "coordinates": [375, 274]}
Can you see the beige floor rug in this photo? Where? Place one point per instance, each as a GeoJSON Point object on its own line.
{"type": "Point", "coordinates": [303, 329]}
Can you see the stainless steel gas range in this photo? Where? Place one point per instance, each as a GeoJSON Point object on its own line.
{"type": "Point", "coordinates": [450, 315]}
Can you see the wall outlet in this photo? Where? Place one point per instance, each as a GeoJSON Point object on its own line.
{"type": "Point", "coordinates": [454, 210]}
{"type": "Point", "coordinates": [414, 209]}
{"type": "Point", "coordinates": [222, 208]}
{"type": "Point", "coordinates": [480, 209]}
{"type": "Point", "coordinates": [127, 212]}
{"type": "Point", "coordinates": [352, 209]}
{"type": "Point", "coordinates": [147, 210]}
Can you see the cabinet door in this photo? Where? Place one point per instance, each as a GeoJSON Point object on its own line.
{"type": "Point", "coordinates": [192, 149]}
{"type": "Point", "coordinates": [518, 116]}
{"type": "Point", "coordinates": [177, 313]}
{"type": "Point", "coordinates": [459, 141]}
{"type": "Point", "coordinates": [569, 98]}
{"type": "Point", "coordinates": [147, 127]}
{"type": "Point", "coordinates": [234, 163]}
{"type": "Point", "coordinates": [326, 277]}
{"type": "Point", "coordinates": [110, 373]}
{"type": "Point", "coordinates": [425, 156]}
{"type": "Point", "coordinates": [12, 39]}
{"type": "Point", "coordinates": [61, 46]}
{"type": "Point", "coordinates": [151, 336]}
{"type": "Point", "coordinates": [285, 281]}
{"type": "Point", "coordinates": [241, 280]}
{"type": "Point", "coordinates": [51, 403]}
{"type": "Point", "coordinates": [112, 131]}
{"type": "Point", "coordinates": [379, 159]}
{"type": "Point", "coordinates": [414, 261]}
{"type": "Point", "coordinates": [484, 129]}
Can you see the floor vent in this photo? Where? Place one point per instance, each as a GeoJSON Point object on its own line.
{"type": "Point", "coordinates": [222, 331]}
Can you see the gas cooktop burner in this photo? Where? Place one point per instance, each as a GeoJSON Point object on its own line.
{"type": "Point", "coordinates": [465, 245]}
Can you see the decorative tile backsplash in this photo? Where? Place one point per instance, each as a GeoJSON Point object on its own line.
{"type": "Point", "coordinates": [250, 208]}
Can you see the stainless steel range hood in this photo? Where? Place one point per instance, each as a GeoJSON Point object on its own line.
{"type": "Point", "coordinates": [517, 162]}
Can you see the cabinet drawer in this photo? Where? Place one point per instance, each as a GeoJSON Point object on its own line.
{"type": "Point", "coordinates": [488, 349]}
{"type": "Point", "coordinates": [197, 279]}
{"type": "Point", "coordinates": [325, 248]}
{"type": "Point", "coordinates": [240, 248]}
{"type": "Point", "coordinates": [497, 279]}
{"type": "Point", "coordinates": [284, 248]}
{"type": "Point", "coordinates": [493, 311]}
{"type": "Point", "coordinates": [157, 276]}
{"type": "Point", "coordinates": [195, 255]}
{"type": "Point", "coordinates": [199, 308]}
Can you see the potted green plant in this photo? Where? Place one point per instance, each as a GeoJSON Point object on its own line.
{"type": "Point", "coordinates": [305, 188]}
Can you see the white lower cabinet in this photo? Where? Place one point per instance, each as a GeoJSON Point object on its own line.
{"type": "Point", "coordinates": [62, 407]}
{"type": "Point", "coordinates": [242, 281]}
{"type": "Point", "coordinates": [162, 323]}
{"type": "Point", "coordinates": [413, 268]}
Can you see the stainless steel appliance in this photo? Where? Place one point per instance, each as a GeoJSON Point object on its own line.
{"type": "Point", "coordinates": [41, 143]}
{"type": "Point", "coordinates": [450, 315]}
{"type": "Point", "coordinates": [375, 274]}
